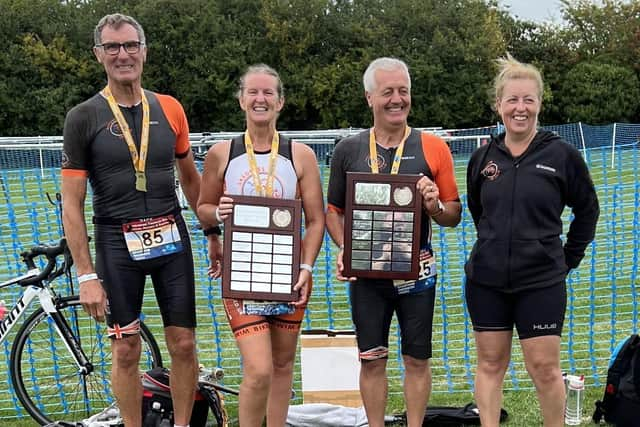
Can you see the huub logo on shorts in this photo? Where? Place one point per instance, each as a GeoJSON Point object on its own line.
{"type": "Point", "coordinates": [490, 171]}
{"type": "Point", "coordinates": [541, 326]}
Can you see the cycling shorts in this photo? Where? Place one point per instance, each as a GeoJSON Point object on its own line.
{"type": "Point", "coordinates": [124, 279]}
{"type": "Point", "coordinates": [534, 312]}
{"type": "Point", "coordinates": [373, 303]}
{"type": "Point", "coordinates": [250, 324]}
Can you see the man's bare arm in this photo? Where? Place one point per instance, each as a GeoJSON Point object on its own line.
{"type": "Point", "coordinates": [211, 187]}
{"type": "Point", "coordinates": [92, 295]}
{"type": "Point", "coordinates": [189, 178]}
{"type": "Point", "coordinates": [74, 190]}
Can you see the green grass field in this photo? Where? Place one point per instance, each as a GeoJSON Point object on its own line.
{"type": "Point", "coordinates": [602, 307]}
{"type": "Point", "coordinates": [520, 405]}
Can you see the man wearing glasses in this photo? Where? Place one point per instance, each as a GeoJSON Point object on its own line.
{"type": "Point", "coordinates": [126, 142]}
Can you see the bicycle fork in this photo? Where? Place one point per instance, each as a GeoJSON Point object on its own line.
{"type": "Point", "coordinates": [64, 330]}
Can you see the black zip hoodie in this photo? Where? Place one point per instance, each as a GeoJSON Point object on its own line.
{"type": "Point", "coordinates": [516, 204]}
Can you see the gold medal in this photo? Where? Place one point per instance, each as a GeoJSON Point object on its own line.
{"type": "Point", "coordinates": [138, 160]}
{"type": "Point", "coordinates": [265, 191]}
{"type": "Point", "coordinates": [141, 181]}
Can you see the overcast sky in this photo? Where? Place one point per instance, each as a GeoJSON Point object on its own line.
{"type": "Point", "coordinates": [538, 10]}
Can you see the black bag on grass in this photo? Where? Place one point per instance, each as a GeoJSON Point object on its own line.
{"type": "Point", "coordinates": [63, 424]}
{"type": "Point", "coordinates": [451, 416]}
{"type": "Point", "coordinates": [155, 388]}
{"type": "Point", "coordinates": [621, 402]}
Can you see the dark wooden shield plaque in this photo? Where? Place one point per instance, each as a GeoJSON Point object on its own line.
{"type": "Point", "coordinates": [262, 239]}
{"type": "Point", "coordinates": [382, 226]}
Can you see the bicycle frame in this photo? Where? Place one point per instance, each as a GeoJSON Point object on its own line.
{"type": "Point", "coordinates": [12, 316]}
{"type": "Point", "coordinates": [76, 383]}
{"type": "Point", "coordinates": [46, 297]}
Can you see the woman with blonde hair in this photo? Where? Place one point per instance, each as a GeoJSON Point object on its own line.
{"type": "Point", "coordinates": [518, 185]}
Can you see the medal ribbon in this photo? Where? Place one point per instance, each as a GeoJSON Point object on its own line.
{"type": "Point", "coordinates": [373, 152]}
{"type": "Point", "coordinates": [253, 164]}
{"type": "Point", "coordinates": [139, 160]}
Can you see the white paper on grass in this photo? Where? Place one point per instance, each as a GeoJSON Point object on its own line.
{"type": "Point", "coordinates": [329, 368]}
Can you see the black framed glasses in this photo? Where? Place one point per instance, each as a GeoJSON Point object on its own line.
{"type": "Point", "coordinates": [114, 48]}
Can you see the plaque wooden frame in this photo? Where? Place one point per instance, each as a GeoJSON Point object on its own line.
{"type": "Point", "coordinates": [392, 213]}
{"type": "Point", "coordinates": [233, 258]}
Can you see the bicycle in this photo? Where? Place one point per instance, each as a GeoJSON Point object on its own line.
{"type": "Point", "coordinates": [61, 358]}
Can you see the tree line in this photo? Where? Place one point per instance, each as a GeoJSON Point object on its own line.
{"type": "Point", "coordinates": [197, 49]}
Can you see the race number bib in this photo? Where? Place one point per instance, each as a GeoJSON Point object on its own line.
{"type": "Point", "coordinates": [267, 308]}
{"type": "Point", "coordinates": [151, 238]}
{"type": "Point", "coordinates": [426, 278]}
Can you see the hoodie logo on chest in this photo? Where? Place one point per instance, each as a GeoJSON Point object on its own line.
{"type": "Point", "coordinates": [490, 171]}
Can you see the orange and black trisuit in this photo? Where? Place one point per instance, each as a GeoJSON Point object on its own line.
{"type": "Point", "coordinates": [373, 302]}
{"type": "Point", "coordinates": [95, 148]}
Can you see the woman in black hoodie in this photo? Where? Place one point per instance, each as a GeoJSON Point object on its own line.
{"type": "Point", "coordinates": [518, 185]}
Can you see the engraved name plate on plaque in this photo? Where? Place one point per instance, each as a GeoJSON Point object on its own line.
{"type": "Point", "coordinates": [262, 249]}
{"type": "Point", "coordinates": [382, 226]}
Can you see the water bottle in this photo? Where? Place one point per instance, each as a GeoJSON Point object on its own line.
{"type": "Point", "coordinates": [154, 415]}
{"type": "Point", "coordinates": [3, 309]}
{"type": "Point", "coordinates": [211, 375]}
{"type": "Point", "coordinates": [573, 405]}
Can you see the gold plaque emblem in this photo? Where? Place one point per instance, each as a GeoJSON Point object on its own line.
{"type": "Point", "coordinates": [281, 217]}
{"type": "Point", "coordinates": [402, 196]}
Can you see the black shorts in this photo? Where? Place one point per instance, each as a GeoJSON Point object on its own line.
{"type": "Point", "coordinates": [534, 312]}
{"type": "Point", "coordinates": [373, 303]}
{"type": "Point", "coordinates": [124, 279]}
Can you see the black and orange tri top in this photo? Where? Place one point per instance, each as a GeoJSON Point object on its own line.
{"type": "Point", "coordinates": [94, 147]}
{"type": "Point", "coordinates": [423, 153]}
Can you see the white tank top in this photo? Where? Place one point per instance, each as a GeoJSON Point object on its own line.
{"type": "Point", "coordinates": [239, 180]}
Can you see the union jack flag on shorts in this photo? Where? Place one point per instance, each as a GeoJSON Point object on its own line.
{"type": "Point", "coordinates": [119, 332]}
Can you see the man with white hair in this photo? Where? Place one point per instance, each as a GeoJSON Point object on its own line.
{"type": "Point", "coordinates": [392, 147]}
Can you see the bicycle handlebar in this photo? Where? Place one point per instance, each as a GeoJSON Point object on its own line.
{"type": "Point", "coordinates": [51, 252]}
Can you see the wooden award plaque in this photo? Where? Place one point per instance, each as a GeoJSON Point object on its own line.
{"type": "Point", "coordinates": [262, 239]}
{"type": "Point", "coordinates": [382, 226]}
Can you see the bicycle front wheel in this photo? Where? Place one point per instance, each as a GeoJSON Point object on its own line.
{"type": "Point", "coordinates": [44, 372]}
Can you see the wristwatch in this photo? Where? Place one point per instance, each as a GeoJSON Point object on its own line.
{"type": "Point", "coordinates": [440, 210]}
{"type": "Point", "coordinates": [215, 230]}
